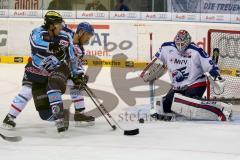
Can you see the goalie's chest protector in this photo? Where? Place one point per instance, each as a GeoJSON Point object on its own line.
{"type": "Point", "coordinates": [184, 69]}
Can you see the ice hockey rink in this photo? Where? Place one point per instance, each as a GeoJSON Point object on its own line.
{"type": "Point", "coordinates": [180, 140]}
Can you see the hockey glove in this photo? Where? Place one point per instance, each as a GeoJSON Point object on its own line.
{"type": "Point", "coordinates": [217, 83]}
{"type": "Point", "coordinates": [59, 48]}
{"type": "Point", "coordinates": [81, 79]}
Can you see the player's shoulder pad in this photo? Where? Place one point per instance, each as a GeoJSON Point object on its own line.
{"type": "Point", "coordinates": [68, 30]}
{"type": "Point", "coordinates": [38, 30]}
{"type": "Point", "coordinates": [165, 44]}
{"type": "Point", "coordinates": [64, 34]}
{"type": "Point", "coordinates": [199, 50]}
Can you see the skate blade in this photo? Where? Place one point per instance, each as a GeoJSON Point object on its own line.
{"type": "Point", "coordinates": [84, 124]}
{"type": "Point", "coordinates": [7, 127]}
{"type": "Point", "coordinates": [62, 134]}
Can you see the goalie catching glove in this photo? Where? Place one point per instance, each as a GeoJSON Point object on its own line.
{"type": "Point", "coordinates": [217, 83]}
{"type": "Point", "coordinates": [153, 70]}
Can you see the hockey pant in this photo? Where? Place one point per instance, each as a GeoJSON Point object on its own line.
{"type": "Point", "coordinates": [196, 92]}
{"type": "Point", "coordinates": [48, 95]}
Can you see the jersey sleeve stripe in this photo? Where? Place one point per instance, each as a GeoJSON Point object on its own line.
{"type": "Point", "coordinates": [37, 44]}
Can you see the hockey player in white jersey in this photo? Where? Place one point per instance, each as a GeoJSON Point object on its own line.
{"type": "Point", "coordinates": [188, 66]}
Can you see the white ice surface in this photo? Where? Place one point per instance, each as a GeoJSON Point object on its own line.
{"type": "Point", "coordinates": [156, 141]}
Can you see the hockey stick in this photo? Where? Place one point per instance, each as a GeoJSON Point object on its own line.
{"type": "Point", "coordinates": [11, 139]}
{"type": "Point", "coordinates": [96, 104]}
{"type": "Point", "coordinates": [103, 111]}
{"type": "Point", "coordinates": [151, 83]}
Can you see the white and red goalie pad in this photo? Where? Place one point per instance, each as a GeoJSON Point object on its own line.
{"type": "Point", "coordinates": [201, 109]}
{"type": "Point", "coordinates": [154, 70]}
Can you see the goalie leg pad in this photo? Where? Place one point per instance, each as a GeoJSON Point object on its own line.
{"type": "Point", "coordinates": [160, 112]}
{"type": "Point", "coordinates": [199, 109]}
{"type": "Point", "coordinates": [158, 107]}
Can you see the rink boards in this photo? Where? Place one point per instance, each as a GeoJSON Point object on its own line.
{"type": "Point", "coordinates": [115, 40]}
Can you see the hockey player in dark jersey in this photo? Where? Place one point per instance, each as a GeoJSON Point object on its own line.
{"type": "Point", "coordinates": [43, 43]}
{"type": "Point", "coordinates": [48, 71]}
{"type": "Point", "coordinates": [20, 101]}
{"type": "Point", "coordinates": [82, 36]}
{"type": "Point", "coordinates": [57, 81]}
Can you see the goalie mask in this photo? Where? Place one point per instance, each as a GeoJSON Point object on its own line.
{"type": "Point", "coordinates": [182, 40]}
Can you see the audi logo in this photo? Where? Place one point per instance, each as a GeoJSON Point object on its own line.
{"type": "Point", "coordinates": [132, 15]}
{"type": "Point", "coordinates": [162, 16]}
{"type": "Point", "coordinates": [32, 13]}
{"type": "Point", "coordinates": [2, 13]}
{"type": "Point", "coordinates": [67, 14]}
{"type": "Point", "coordinates": [99, 14]}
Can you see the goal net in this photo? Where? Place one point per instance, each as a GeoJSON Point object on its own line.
{"type": "Point", "coordinates": [224, 47]}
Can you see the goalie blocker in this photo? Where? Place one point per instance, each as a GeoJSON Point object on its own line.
{"type": "Point", "coordinates": [194, 109]}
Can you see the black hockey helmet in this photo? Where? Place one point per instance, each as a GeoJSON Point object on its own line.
{"type": "Point", "coordinates": [52, 17]}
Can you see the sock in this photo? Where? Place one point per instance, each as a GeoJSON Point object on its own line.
{"type": "Point", "coordinates": [20, 101]}
{"type": "Point", "coordinates": [77, 99]}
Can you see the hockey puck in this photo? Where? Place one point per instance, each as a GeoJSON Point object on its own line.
{"type": "Point", "coordinates": [131, 132]}
{"type": "Point", "coordinates": [141, 120]}
{"type": "Point", "coordinates": [114, 127]}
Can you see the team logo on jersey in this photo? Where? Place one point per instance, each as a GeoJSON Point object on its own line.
{"type": "Point", "coordinates": [64, 43]}
{"type": "Point", "coordinates": [211, 62]}
{"type": "Point", "coordinates": [179, 61]}
{"type": "Point", "coordinates": [180, 74]}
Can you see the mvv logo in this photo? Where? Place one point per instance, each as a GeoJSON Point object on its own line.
{"type": "Point", "coordinates": [179, 61]}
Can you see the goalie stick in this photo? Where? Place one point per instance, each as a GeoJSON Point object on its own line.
{"type": "Point", "coordinates": [151, 83]}
{"type": "Point", "coordinates": [11, 139]}
{"type": "Point", "coordinates": [235, 72]}
{"type": "Point", "coordinates": [103, 111]}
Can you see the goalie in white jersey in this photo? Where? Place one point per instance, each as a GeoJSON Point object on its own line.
{"type": "Point", "coordinates": [188, 66]}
